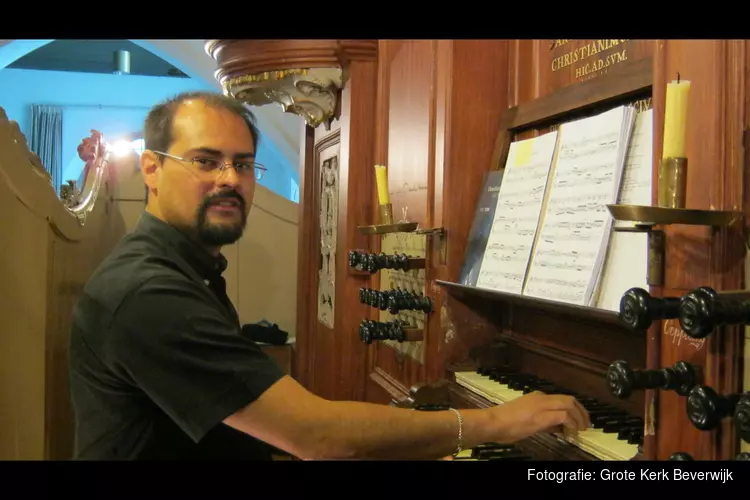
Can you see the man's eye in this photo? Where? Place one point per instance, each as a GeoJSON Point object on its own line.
{"type": "Point", "coordinates": [206, 162]}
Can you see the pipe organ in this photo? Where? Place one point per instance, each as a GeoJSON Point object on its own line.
{"type": "Point", "coordinates": [427, 132]}
{"type": "Point", "coordinates": [478, 219]}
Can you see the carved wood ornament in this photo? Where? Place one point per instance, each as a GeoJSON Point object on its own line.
{"type": "Point", "coordinates": [304, 77]}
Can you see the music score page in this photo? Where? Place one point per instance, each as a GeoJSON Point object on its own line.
{"type": "Point", "coordinates": [519, 205]}
{"type": "Point", "coordinates": [567, 259]}
{"type": "Point", "coordinates": [626, 264]}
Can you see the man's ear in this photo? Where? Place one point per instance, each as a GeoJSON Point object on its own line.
{"type": "Point", "coordinates": [150, 169]}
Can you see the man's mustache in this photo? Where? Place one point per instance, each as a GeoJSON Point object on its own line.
{"type": "Point", "coordinates": [228, 195]}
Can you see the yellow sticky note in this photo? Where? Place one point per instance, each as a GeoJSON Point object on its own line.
{"type": "Point", "coordinates": [523, 152]}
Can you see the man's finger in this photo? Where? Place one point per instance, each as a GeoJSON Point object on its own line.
{"type": "Point", "coordinates": [585, 418]}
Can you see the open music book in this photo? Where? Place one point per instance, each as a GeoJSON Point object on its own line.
{"type": "Point", "coordinates": [551, 229]}
{"type": "Point", "coordinates": [519, 204]}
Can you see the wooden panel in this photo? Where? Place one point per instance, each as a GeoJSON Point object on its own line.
{"type": "Point", "coordinates": [549, 65]}
{"type": "Point", "coordinates": [697, 256]}
{"type": "Point", "coordinates": [47, 258]}
{"type": "Point", "coordinates": [331, 361]}
{"type": "Point", "coordinates": [410, 75]}
{"type": "Point", "coordinates": [407, 70]}
{"type": "Point", "coordinates": [465, 82]}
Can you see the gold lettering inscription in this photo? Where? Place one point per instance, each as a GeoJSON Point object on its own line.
{"type": "Point", "coordinates": [672, 330]}
{"type": "Point", "coordinates": [589, 69]}
{"type": "Point", "coordinates": [558, 43]}
{"type": "Point", "coordinates": [642, 104]}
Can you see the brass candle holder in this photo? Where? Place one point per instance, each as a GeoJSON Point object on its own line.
{"type": "Point", "coordinates": [386, 214]}
{"type": "Point", "coordinates": [672, 186]}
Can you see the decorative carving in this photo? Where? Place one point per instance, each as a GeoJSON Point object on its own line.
{"type": "Point", "coordinates": [70, 194]}
{"type": "Point", "coordinates": [304, 77]}
{"type": "Point", "coordinates": [329, 201]}
{"type": "Point", "coordinates": [311, 94]}
{"type": "Point", "coordinates": [94, 151]}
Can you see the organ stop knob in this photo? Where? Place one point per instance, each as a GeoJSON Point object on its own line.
{"type": "Point", "coordinates": [706, 408]}
{"type": "Point", "coordinates": [704, 309]}
{"type": "Point", "coordinates": [623, 380]}
{"type": "Point", "coordinates": [638, 309]}
{"type": "Point", "coordinates": [682, 456]}
{"type": "Point", "coordinates": [742, 417]}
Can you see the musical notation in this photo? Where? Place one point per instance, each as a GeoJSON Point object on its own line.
{"type": "Point", "coordinates": [575, 228]}
{"type": "Point", "coordinates": [626, 263]}
{"type": "Point", "coordinates": [519, 205]}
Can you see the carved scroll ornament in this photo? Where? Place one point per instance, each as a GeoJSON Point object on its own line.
{"type": "Point", "coordinates": [304, 77]}
{"type": "Point", "coordinates": [309, 93]}
{"type": "Point", "coordinates": [95, 152]}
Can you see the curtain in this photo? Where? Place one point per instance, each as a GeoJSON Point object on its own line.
{"type": "Point", "coordinates": [46, 139]}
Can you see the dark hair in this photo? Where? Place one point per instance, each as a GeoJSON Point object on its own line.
{"type": "Point", "coordinates": [157, 129]}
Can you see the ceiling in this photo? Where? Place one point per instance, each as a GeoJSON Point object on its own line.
{"type": "Point", "coordinates": [95, 56]}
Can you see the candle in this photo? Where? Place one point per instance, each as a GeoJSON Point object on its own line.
{"type": "Point", "coordinates": [381, 177]}
{"type": "Point", "coordinates": [675, 119]}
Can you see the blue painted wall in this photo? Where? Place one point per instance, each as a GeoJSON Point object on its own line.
{"type": "Point", "coordinates": [116, 105]}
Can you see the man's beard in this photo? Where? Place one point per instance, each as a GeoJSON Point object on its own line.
{"type": "Point", "coordinates": [216, 234]}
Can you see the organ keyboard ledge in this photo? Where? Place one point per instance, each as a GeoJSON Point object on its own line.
{"type": "Point", "coordinates": [586, 313]}
{"type": "Point", "coordinates": [615, 436]}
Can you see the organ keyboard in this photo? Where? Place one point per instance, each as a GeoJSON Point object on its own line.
{"type": "Point", "coordinates": [493, 452]}
{"type": "Point", "coordinates": [616, 434]}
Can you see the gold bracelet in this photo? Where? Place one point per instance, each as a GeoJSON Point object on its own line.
{"type": "Point", "coordinates": [459, 447]}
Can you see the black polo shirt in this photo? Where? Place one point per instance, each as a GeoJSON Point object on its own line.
{"type": "Point", "coordinates": [157, 359]}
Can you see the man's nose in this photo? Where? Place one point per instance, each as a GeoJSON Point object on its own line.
{"type": "Point", "coordinates": [228, 176]}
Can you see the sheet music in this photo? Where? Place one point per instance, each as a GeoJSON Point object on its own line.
{"type": "Point", "coordinates": [626, 265]}
{"type": "Point", "coordinates": [575, 230]}
{"type": "Point", "coordinates": [519, 205]}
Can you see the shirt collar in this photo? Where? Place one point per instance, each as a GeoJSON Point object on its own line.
{"type": "Point", "coordinates": [197, 256]}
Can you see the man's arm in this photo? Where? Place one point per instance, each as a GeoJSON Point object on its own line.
{"type": "Point", "coordinates": [289, 417]}
{"type": "Point", "coordinates": [170, 341]}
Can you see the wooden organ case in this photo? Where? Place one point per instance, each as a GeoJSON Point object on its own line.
{"type": "Point", "coordinates": [49, 248]}
{"type": "Point", "coordinates": [440, 114]}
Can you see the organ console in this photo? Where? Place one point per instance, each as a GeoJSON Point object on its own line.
{"type": "Point", "coordinates": [442, 126]}
{"type": "Point", "coordinates": [623, 380]}
{"type": "Point", "coordinates": [616, 433]}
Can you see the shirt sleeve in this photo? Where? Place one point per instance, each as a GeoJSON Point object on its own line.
{"type": "Point", "coordinates": [171, 340]}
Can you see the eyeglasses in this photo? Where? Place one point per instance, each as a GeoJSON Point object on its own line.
{"type": "Point", "coordinates": [213, 167]}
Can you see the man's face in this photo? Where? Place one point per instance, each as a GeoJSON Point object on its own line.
{"type": "Point", "coordinates": [211, 204]}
